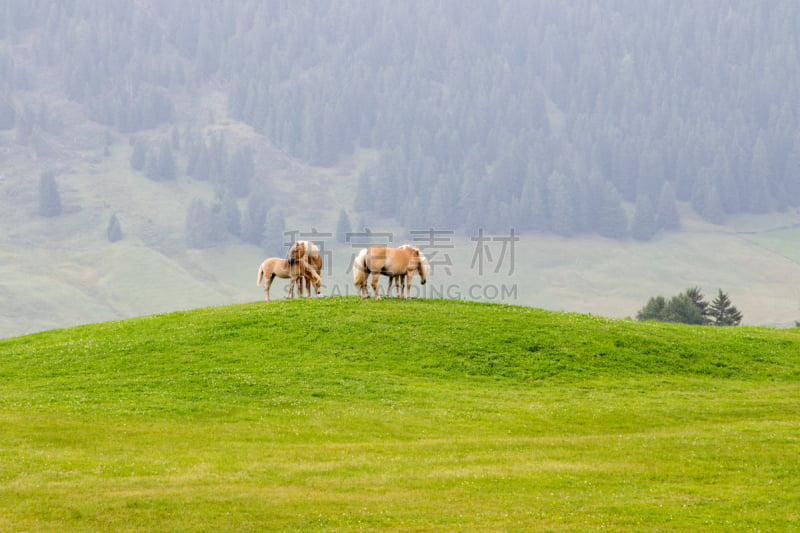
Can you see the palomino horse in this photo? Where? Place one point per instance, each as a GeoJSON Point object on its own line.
{"type": "Point", "coordinates": [308, 251]}
{"type": "Point", "coordinates": [277, 266]}
{"type": "Point", "coordinates": [393, 262]}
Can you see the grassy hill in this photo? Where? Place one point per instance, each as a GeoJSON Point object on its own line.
{"type": "Point", "coordinates": [338, 414]}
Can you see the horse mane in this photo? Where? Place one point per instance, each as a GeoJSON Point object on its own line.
{"type": "Point", "coordinates": [311, 248]}
{"type": "Point", "coordinates": [360, 272]}
{"type": "Point", "coordinates": [424, 266]}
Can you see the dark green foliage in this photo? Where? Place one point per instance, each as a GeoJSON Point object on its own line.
{"type": "Point", "coordinates": [49, 197]}
{"type": "Point", "coordinates": [722, 313]}
{"type": "Point", "coordinates": [687, 308]}
{"type": "Point", "coordinates": [114, 229]}
{"type": "Point", "coordinates": [682, 308]}
{"type": "Point", "coordinates": [696, 296]}
{"type": "Point", "coordinates": [503, 94]}
{"type": "Point", "coordinates": [653, 310]}
{"type": "Point", "coordinates": [690, 307]}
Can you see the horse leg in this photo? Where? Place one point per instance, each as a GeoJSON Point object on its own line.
{"type": "Point", "coordinates": [408, 285]}
{"type": "Point", "coordinates": [267, 284]}
{"type": "Point", "coordinates": [375, 285]}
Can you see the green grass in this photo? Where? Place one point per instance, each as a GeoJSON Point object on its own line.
{"type": "Point", "coordinates": [426, 415]}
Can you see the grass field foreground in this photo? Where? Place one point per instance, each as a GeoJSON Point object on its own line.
{"type": "Point", "coordinates": [426, 415]}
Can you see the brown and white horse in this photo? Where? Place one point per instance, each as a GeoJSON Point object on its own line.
{"type": "Point", "coordinates": [399, 262]}
{"type": "Point", "coordinates": [308, 251]}
{"type": "Point", "coordinates": [297, 271]}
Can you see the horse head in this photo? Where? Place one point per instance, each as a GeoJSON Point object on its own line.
{"type": "Point", "coordinates": [423, 266]}
{"type": "Point", "coordinates": [297, 252]}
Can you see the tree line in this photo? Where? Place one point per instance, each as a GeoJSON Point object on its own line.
{"type": "Point", "coordinates": [690, 307]}
{"type": "Point", "coordinates": [571, 117]}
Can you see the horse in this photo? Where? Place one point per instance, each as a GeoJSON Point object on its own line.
{"type": "Point", "coordinates": [299, 269]}
{"type": "Point", "coordinates": [398, 262]}
{"type": "Point", "coordinates": [307, 251]}
{"type": "Point", "coordinates": [397, 282]}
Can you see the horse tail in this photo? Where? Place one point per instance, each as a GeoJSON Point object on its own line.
{"type": "Point", "coordinates": [260, 274]}
{"type": "Point", "coordinates": [360, 272]}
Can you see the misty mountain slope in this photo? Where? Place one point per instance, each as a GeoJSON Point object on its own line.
{"type": "Point", "coordinates": [519, 106]}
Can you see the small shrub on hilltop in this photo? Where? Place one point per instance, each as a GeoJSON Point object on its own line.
{"type": "Point", "coordinates": [690, 307]}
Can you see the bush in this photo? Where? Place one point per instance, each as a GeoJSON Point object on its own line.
{"type": "Point", "coordinates": [690, 307]}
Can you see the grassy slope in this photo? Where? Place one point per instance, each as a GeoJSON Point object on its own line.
{"type": "Point", "coordinates": [338, 414]}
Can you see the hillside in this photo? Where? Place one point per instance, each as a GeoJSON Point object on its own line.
{"type": "Point", "coordinates": [339, 414]}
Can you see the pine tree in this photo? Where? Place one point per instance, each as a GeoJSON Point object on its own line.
{"type": "Point", "coordinates": [364, 199]}
{"type": "Point", "coordinates": [682, 309]}
{"type": "Point", "coordinates": [722, 312]}
{"type": "Point", "coordinates": [273, 232]}
{"type": "Point", "coordinates": [612, 222]}
{"type": "Point", "coordinates": [644, 225]}
{"type": "Point", "coordinates": [687, 308]}
{"type": "Point", "coordinates": [758, 188]}
{"type": "Point", "coordinates": [653, 310]}
{"type": "Point", "coordinates": [562, 220]}
{"type": "Point", "coordinates": [198, 225]}
{"type": "Point", "coordinates": [791, 173]}
{"type": "Point", "coordinates": [166, 162]}
{"type": "Point", "coordinates": [49, 198]}
{"type": "Point", "coordinates": [231, 215]}
{"type": "Point", "coordinates": [667, 217]}
{"type": "Point", "coordinates": [139, 155]}
{"type": "Point", "coordinates": [697, 298]}
{"type": "Point", "coordinates": [114, 229]}
{"type": "Point", "coordinates": [254, 218]}
{"type": "Point", "coordinates": [343, 226]}
{"type": "Point", "coordinates": [151, 168]}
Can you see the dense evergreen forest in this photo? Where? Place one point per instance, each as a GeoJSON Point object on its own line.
{"type": "Point", "coordinates": [546, 115]}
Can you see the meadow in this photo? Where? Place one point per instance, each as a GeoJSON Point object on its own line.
{"type": "Point", "coordinates": [337, 414]}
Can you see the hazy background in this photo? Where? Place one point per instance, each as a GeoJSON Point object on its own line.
{"type": "Point", "coordinates": [153, 153]}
